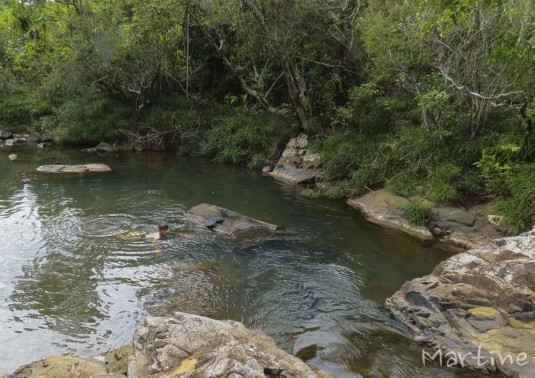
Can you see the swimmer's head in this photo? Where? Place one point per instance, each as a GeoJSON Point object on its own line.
{"type": "Point", "coordinates": [163, 229]}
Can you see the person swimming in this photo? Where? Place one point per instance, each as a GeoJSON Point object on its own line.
{"type": "Point", "coordinates": [163, 233]}
{"type": "Point", "coordinates": [163, 230]}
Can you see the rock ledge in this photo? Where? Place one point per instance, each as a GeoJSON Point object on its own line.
{"type": "Point", "coordinates": [481, 301]}
{"type": "Point", "coordinates": [382, 207]}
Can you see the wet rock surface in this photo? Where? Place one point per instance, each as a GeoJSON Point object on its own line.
{"type": "Point", "coordinates": [226, 221]}
{"type": "Point", "coordinates": [296, 165]}
{"type": "Point", "coordinates": [481, 302]}
{"type": "Point", "coordinates": [194, 346]}
{"type": "Point", "coordinates": [86, 168]}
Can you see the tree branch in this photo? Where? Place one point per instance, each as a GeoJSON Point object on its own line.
{"type": "Point", "coordinates": [326, 64]}
{"type": "Point", "coordinates": [490, 99]}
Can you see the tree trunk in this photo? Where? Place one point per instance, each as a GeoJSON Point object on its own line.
{"type": "Point", "coordinates": [294, 79]}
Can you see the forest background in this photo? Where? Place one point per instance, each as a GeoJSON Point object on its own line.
{"type": "Point", "coordinates": [433, 98]}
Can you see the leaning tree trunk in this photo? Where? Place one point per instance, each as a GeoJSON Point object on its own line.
{"type": "Point", "coordinates": [295, 81]}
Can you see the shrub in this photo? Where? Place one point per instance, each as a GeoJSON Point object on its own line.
{"type": "Point", "coordinates": [21, 108]}
{"type": "Point", "coordinates": [518, 207]}
{"type": "Point", "coordinates": [417, 212]}
{"type": "Point", "coordinates": [336, 191]}
{"type": "Point", "coordinates": [92, 118]}
{"type": "Point", "coordinates": [311, 193]}
{"type": "Point", "coordinates": [246, 138]}
{"type": "Point", "coordinates": [497, 166]}
{"type": "Point", "coordinates": [442, 183]}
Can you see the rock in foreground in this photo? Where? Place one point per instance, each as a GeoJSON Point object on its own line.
{"type": "Point", "coordinates": [74, 168]}
{"type": "Point", "coordinates": [481, 302]}
{"type": "Point", "coordinates": [226, 221]}
{"type": "Point", "coordinates": [194, 346]}
{"type": "Point", "coordinates": [183, 346]}
{"type": "Point", "coordinates": [61, 367]}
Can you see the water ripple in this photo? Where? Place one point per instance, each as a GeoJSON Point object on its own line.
{"type": "Point", "coordinates": [78, 273]}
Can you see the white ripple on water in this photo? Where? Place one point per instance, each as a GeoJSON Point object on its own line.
{"type": "Point", "coordinates": [105, 226]}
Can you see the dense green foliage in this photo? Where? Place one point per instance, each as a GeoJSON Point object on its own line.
{"type": "Point", "coordinates": [434, 99]}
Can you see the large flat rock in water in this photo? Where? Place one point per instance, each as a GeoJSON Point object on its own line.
{"type": "Point", "coordinates": [479, 303]}
{"type": "Point", "coordinates": [226, 221]}
{"type": "Point", "coordinates": [58, 168]}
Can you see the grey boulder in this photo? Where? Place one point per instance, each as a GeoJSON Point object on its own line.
{"type": "Point", "coordinates": [226, 221]}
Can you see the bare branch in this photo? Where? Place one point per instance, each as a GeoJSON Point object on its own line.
{"type": "Point", "coordinates": [273, 85]}
{"type": "Point", "coordinates": [326, 64]}
{"type": "Point", "coordinates": [490, 99]}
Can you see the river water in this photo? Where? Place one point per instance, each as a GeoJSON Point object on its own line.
{"type": "Point", "coordinates": [75, 275]}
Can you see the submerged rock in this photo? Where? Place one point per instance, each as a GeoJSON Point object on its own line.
{"type": "Point", "coordinates": [13, 157]}
{"type": "Point", "coordinates": [383, 207]}
{"type": "Point", "coordinates": [194, 346]}
{"type": "Point", "coordinates": [481, 302]}
{"type": "Point", "coordinates": [74, 168]}
{"type": "Point", "coordinates": [226, 221]}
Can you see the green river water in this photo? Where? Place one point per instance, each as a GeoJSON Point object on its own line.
{"type": "Point", "coordinates": [72, 281]}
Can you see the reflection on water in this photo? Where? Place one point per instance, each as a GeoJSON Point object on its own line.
{"type": "Point", "coordinates": [72, 281]}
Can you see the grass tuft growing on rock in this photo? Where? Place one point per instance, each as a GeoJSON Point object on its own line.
{"type": "Point", "coordinates": [417, 212]}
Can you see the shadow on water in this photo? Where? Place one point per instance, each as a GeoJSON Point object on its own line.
{"type": "Point", "coordinates": [78, 274]}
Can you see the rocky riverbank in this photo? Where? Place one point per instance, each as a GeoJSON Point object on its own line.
{"type": "Point", "coordinates": [476, 309]}
{"type": "Point", "coordinates": [181, 346]}
{"type": "Point", "coordinates": [9, 139]}
{"type": "Point", "coordinates": [455, 227]}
